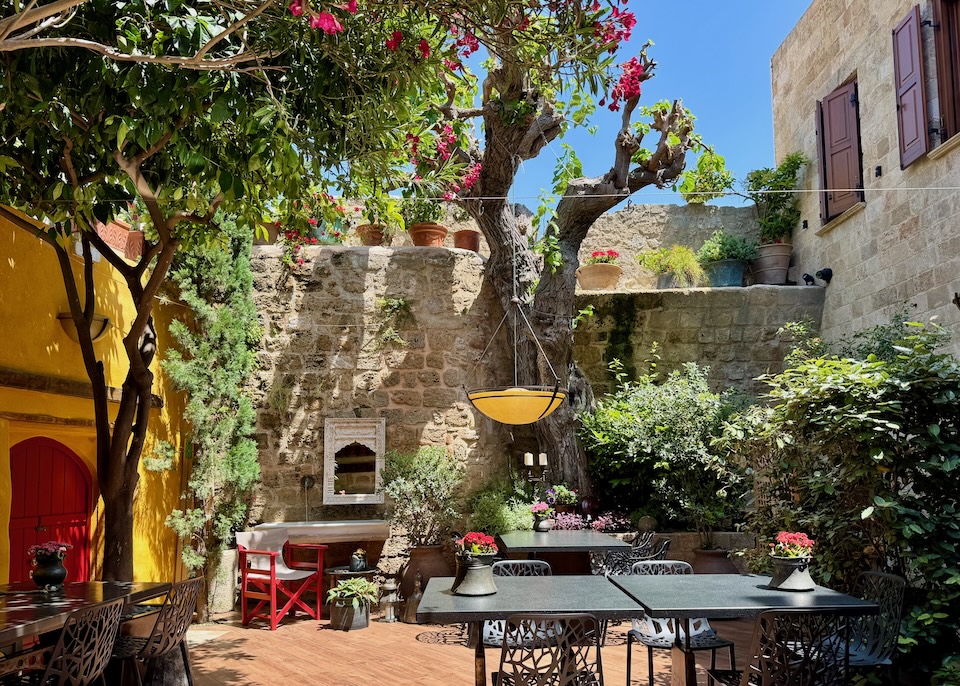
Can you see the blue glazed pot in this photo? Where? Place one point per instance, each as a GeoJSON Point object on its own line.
{"type": "Point", "coordinates": [725, 273]}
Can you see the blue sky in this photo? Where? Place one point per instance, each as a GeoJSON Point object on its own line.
{"type": "Point", "coordinates": [715, 57]}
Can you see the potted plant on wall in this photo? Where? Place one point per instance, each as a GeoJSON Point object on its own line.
{"type": "Point", "coordinates": [675, 267]}
{"type": "Point", "coordinates": [421, 217]}
{"type": "Point", "coordinates": [778, 212]}
{"type": "Point", "coordinates": [379, 218]}
{"type": "Point", "coordinates": [600, 271]}
{"type": "Point", "coordinates": [724, 258]}
{"type": "Point", "coordinates": [424, 488]}
{"type": "Point", "coordinates": [350, 602]}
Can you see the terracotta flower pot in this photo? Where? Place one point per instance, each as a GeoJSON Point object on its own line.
{"type": "Point", "coordinates": [370, 234]}
{"type": "Point", "coordinates": [772, 265]}
{"type": "Point", "coordinates": [467, 240]}
{"type": "Point", "coordinates": [428, 561]}
{"type": "Point", "coordinates": [598, 277]}
{"type": "Point", "coordinates": [428, 235]}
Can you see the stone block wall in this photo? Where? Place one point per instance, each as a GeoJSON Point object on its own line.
{"type": "Point", "coordinates": [733, 330]}
{"type": "Point", "coordinates": [903, 243]}
{"type": "Point", "coordinates": [642, 227]}
{"type": "Point", "coordinates": [322, 356]}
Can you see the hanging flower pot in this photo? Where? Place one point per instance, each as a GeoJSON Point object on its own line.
{"type": "Point", "coordinates": [428, 235]}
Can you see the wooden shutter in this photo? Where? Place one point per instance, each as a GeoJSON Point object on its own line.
{"type": "Point", "coordinates": [911, 98]}
{"type": "Point", "coordinates": [946, 31]}
{"type": "Point", "coordinates": [840, 150]}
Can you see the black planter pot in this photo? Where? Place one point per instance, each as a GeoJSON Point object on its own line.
{"type": "Point", "coordinates": [345, 617]}
{"type": "Point", "coordinates": [48, 572]}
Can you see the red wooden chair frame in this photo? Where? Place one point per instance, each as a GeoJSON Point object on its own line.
{"type": "Point", "coordinates": [263, 585]}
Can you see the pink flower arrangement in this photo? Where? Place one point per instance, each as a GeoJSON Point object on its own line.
{"type": "Point", "coordinates": [790, 544]}
{"type": "Point", "coordinates": [603, 257]}
{"type": "Point", "coordinates": [49, 549]}
{"type": "Point", "coordinates": [541, 509]}
{"type": "Point", "coordinates": [568, 521]}
{"type": "Point", "coordinates": [476, 543]}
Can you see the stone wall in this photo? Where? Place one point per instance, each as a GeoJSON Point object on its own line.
{"type": "Point", "coordinates": [733, 330]}
{"type": "Point", "coordinates": [642, 227]}
{"type": "Point", "coordinates": [323, 356]}
{"type": "Point", "coordinates": [903, 243]}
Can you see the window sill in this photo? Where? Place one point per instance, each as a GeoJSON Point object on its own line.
{"type": "Point", "coordinates": [952, 144]}
{"type": "Point", "coordinates": [840, 218]}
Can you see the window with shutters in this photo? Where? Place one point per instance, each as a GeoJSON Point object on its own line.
{"type": "Point", "coordinates": [946, 31]}
{"type": "Point", "coordinates": [838, 132]}
{"type": "Point", "coordinates": [909, 80]}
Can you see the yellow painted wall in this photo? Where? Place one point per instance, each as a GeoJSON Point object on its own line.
{"type": "Point", "coordinates": [32, 340]}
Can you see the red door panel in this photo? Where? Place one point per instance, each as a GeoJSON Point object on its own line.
{"type": "Point", "coordinates": [52, 498]}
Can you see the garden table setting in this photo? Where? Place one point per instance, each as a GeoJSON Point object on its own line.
{"type": "Point", "coordinates": [566, 551]}
{"type": "Point", "coordinates": [27, 611]}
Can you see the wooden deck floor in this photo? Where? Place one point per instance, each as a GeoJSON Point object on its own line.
{"type": "Point", "coordinates": [307, 652]}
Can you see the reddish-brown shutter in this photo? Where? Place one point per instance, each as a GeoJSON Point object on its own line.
{"type": "Point", "coordinates": [911, 98]}
{"type": "Point", "coordinates": [840, 148]}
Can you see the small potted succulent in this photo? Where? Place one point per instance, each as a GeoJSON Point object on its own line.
{"type": "Point", "coordinates": [350, 602]}
{"type": "Point", "coordinates": [600, 271]}
{"type": "Point", "coordinates": [675, 267]}
{"type": "Point", "coordinates": [724, 258]}
{"type": "Point", "coordinates": [421, 217]}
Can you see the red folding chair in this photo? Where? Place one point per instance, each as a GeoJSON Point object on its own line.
{"type": "Point", "coordinates": [276, 585]}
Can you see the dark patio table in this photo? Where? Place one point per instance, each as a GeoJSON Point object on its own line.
{"type": "Point", "coordinates": [27, 611]}
{"type": "Point", "coordinates": [724, 596]}
{"type": "Point", "coordinates": [593, 594]}
{"type": "Point", "coordinates": [566, 551]}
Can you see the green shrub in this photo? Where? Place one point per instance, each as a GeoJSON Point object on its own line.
{"type": "Point", "coordinates": [777, 212]}
{"type": "Point", "coordinates": [723, 246]}
{"type": "Point", "coordinates": [499, 507]}
{"type": "Point", "coordinates": [649, 446]}
{"type": "Point", "coordinates": [425, 488]}
{"type": "Point", "coordinates": [864, 455]}
{"type": "Point", "coordinates": [679, 260]}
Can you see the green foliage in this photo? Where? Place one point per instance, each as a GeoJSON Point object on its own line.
{"type": "Point", "coordinates": [723, 246]}
{"type": "Point", "coordinates": [358, 590]}
{"type": "Point", "coordinates": [395, 313]}
{"type": "Point", "coordinates": [161, 458]}
{"type": "Point", "coordinates": [778, 207]}
{"type": "Point", "coordinates": [502, 505]}
{"type": "Point", "coordinates": [581, 316]}
{"type": "Point", "coordinates": [421, 211]}
{"type": "Point", "coordinates": [425, 488]}
{"type": "Point", "coordinates": [649, 443]}
{"type": "Point", "coordinates": [546, 241]}
{"type": "Point", "coordinates": [864, 455]}
{"type": "Point", "coordinates": [678, 260]}
{"type": "Point", "coordinates": [804, 343]}
{"type": "Point", "coordinates": [710, 180]}
{"type": "Point", "coordinates": [214, 357]}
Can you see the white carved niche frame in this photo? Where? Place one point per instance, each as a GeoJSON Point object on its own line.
{"type": "Point", "coordinates": [338, 433]}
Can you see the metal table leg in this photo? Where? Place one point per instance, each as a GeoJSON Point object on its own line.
{"type": "Point", "coordinates": [683, 660]}
{"type": "Point", "coordinates": [479, 656]}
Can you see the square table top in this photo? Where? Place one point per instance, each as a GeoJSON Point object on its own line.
{"type": "Point", "coordinates": [559, 541]}
{"type": "Point", "coordinates": [725, 596]}
{"type": "Point", "coordinates": [593, 594]}
{"type": "Point", "coordinates": [26, 610]}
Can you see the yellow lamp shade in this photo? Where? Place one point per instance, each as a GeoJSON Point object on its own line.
{"type": "Point", "coordinates": [517, 405]}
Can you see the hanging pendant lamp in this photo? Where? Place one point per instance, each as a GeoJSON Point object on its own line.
{"type": "Point", "coordinates": [517, 404]}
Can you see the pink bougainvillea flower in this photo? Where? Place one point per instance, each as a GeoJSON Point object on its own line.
{"type": "Point", "coordinates": [424, 48]}
{"type": "Point", "coordinates": [352, 7]}
{"type": "Point", "coordinates": [312, 222]}
{"type": "Point", "coordinates": [296, 8]}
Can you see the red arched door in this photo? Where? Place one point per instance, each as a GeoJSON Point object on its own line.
{"type": "Point", "coordinates": [51, 502]}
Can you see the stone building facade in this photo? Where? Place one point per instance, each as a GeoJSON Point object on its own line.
{"type": "Point", "coordinates": [898, 240]}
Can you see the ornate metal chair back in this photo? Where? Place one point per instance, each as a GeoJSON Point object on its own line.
{"type": "Point", "coordinates": [522, 568]}
{"type": "Point", "coordinates": [551, 650]}
{"type": "Point", "coordinates": [661, 567]}
{"type": "Point", "coordinates": [798, 648]}
{"type": "Point", "coordinates": [85, 645]}
{"type": "Point", "coordinates": [174, 619]}
{"type": "Point", "coordinates": [873, 639]}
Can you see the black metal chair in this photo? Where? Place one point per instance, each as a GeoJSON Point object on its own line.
{"type": "Point", "coordinates": [794, 648]}
{"type": "Point", "coordinates": [873, 640]}
{"type": "Point", "coordinates": [550, 650]}
{"type": "Point", "coordinates": [621, 562]}
{"type": "Point", "coordinates": [82, 651]}
{"type": "Point", "coordinates": [493, 629]}
{"type": "Point", "coordinates": [658, 633]}
{"type": "Point", "coordinates": [169, 632]}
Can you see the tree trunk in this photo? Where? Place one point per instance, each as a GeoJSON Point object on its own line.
{"type": "Point", "coordinates": [118, 533]}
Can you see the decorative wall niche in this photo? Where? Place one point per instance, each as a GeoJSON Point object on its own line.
{"type": "Point", "coordinates": [353, 452]}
